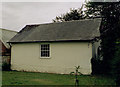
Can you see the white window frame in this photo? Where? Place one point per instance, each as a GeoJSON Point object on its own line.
{"type": "Point", "coordinates": [49, 50]}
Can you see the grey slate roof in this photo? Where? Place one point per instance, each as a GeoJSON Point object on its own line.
{"type": "Point", "coordinates": [65, 31]}
{"type": "Point", "coordinates": [6, 35]}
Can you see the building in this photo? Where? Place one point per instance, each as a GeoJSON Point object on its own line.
{"type": "Point", "coordinates": [5, 36]}
{"type": "Point", "coordinates": [56, 47]}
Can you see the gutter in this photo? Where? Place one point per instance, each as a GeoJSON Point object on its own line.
{"type": "Point", "coordinates": [54, 41]}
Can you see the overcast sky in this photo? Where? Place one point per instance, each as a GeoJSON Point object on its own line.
{"type": "Point", "coordinates": [15, 15]}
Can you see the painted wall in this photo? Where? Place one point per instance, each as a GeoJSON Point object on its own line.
{"type": "Point", "coordinates": [64, 57]}
{"type": "Point", "coordinates": [95, 46]}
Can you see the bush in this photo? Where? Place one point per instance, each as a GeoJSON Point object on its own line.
{"type": "Point", "coordinates": [96, 66]}
{"type": "Point", "coordinates": [5, 67]}
{"type": "Point", "coordinates": [116, 65]}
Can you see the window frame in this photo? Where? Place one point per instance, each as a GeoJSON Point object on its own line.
{"type": "Point", "coordinates": [49, 51]}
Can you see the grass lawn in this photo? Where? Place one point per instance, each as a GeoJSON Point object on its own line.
{"type": "Point", "coordinates": [32, 78]}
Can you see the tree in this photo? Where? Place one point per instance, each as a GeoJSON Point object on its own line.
{"type": "Point", "coordinates": [74, 14]}
{"type": "Point", "coordinates": [109, 12]}
{"type": "Point", "coordinates": [110, 32]}
{"type": "Point", "coordinates": [116, 63]}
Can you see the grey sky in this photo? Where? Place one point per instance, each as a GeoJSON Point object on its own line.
{"type": "Point", "coordinates": [15, 15]}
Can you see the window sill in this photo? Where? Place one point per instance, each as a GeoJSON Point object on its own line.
{"type": "Point", "coordinates": [45, 57]}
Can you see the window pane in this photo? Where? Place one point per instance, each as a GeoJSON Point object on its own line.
{"type": "Point", "coordinates": [45, 50]}
{"type": "Point", "coordinates": [42, 53]}
{"type": "Point", "coordinates": [42, 46]}
{"type": "Point", "coordinates": [48, 54]}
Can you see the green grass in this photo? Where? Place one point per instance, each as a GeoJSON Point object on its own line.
{"type": "Point", "coordinates": [32, 78]}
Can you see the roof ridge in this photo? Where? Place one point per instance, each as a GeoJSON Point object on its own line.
{"type": "Point", "coordinates": [61, 22]}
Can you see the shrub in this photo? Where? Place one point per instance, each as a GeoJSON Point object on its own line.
{"type": "Point", "coordinates": [96, 66]}
{"type": "Point", "coordinates": [116, 65]}
{"type": "Point", "coordinates": [5, 67]}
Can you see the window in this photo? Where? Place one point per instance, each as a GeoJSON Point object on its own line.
{"type": "Point", "coordinates": [45, 50]}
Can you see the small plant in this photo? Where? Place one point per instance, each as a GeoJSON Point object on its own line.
{"type": "Point", "coordinates": [76, 73]}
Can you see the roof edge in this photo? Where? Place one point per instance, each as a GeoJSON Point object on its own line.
{"type": "Point", "coordinates": [8, 30]}
{"type": "Point", "coordinates": [54, 41]}
{"type": "Point", "coordinates": [62, 22]}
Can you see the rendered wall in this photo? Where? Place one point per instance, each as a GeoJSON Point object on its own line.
{"type": "Point", "coordinates": [64, 57]}
{"type": "Point", "coordinates": [95, 46]}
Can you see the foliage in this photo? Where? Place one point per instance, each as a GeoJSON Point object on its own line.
{"type": "Point", "coordinates": [109, 29]}
{"type": "Point", "coordinates": [94, 9]}
{"type": "Point", "coordinates": [74, 14]}
{"type": "Point", "coordinates": [34, 78]}
{"type": "Point", "coordinates": [76, 73]}
{"type": "Point", "coordinates": [109, 12]}
{"type": "Point", "coordinates": [96, 66]}
{"type": "Point", "coordinates": [116, 64]}
{"type": "Point", "coordinates": [5, 67]}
